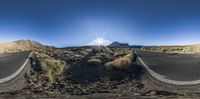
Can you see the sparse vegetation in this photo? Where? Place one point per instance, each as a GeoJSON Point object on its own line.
{"type": "Point", "coordinates": [81, 71]}
{"type": "Point", "coordinates": [94, 61]}
{"type": "Point", "coordinates": [174, 49]}
{"type": "Point", "coordinates": [104, 57]}
{"type": "Point", "coordinates": [120, 63]}
{"type": "Point", "coordinates": [52, 68]}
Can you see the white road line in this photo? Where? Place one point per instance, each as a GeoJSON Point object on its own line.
{"type": "Point", "coordinates": [163, 79]}
{"type": "Point", "coordinates": [12, 76]}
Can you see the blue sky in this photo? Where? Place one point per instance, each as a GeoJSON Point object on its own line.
{"type": "Point", "coordinates": [77, 22]}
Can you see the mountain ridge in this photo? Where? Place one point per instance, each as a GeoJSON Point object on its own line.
{"type": "Point", "coordinates": [21, 45]}
{"type": "Point", "coordinates": [118, 44]}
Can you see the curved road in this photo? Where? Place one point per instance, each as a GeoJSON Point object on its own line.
{"type": "Point", "coordinates": [11, 65]}
{"type": "Point", "coordinates": [178, 69]}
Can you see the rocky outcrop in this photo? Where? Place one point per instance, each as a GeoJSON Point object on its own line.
{"type": "Point", "coordinates": [117, 44]}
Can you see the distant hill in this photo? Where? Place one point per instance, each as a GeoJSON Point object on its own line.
{"type": "Point", "coordinates": [194, 48]}
{"type": "Point", "coordinates": [21, 45]}
{"type": "Point", "coordinates": [118, 44]}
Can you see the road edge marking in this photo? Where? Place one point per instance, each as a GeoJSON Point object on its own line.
{"type": "Point", "coordinates": [163, 79]}
{"type": "Point", "coordinates": [14, 75]}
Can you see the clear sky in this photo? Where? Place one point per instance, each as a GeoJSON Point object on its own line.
{"type": "Point", "coordinates": [77, 22]}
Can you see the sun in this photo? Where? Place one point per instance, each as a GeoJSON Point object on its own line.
{"type": "Point", "coordinates": [100, 41]}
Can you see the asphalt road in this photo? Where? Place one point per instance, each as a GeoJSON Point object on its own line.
{"type": "Point", "coordinates": [10, 63]}
{"type": "Point", "coordinates": [177, 67]}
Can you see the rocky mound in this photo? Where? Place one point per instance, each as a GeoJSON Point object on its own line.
{"type": "Point", "coordinates": [118, 44]}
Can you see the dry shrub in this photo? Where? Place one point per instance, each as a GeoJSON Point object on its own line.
{"type": "Point", "coordinates": [52, 68]}
{"type": "Point", "coordinates": [121, 52]}
{"type": "Point", "coordinates": [120, 63]}
{"type": "Point", "coordinates": [104, 57]}
{"type": "Point", "coordinates": [119, 55]}
{"type": "Point", "coordinates": [94, 61]}
{"type": "Point", "coordinates": [129, 56]}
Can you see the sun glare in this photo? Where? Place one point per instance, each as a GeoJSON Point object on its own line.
{"type": "Point", "coordinates": [100, 41]}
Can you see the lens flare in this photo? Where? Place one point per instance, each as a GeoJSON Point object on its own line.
{"type": "Point", "coordinates": [100, 41]}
